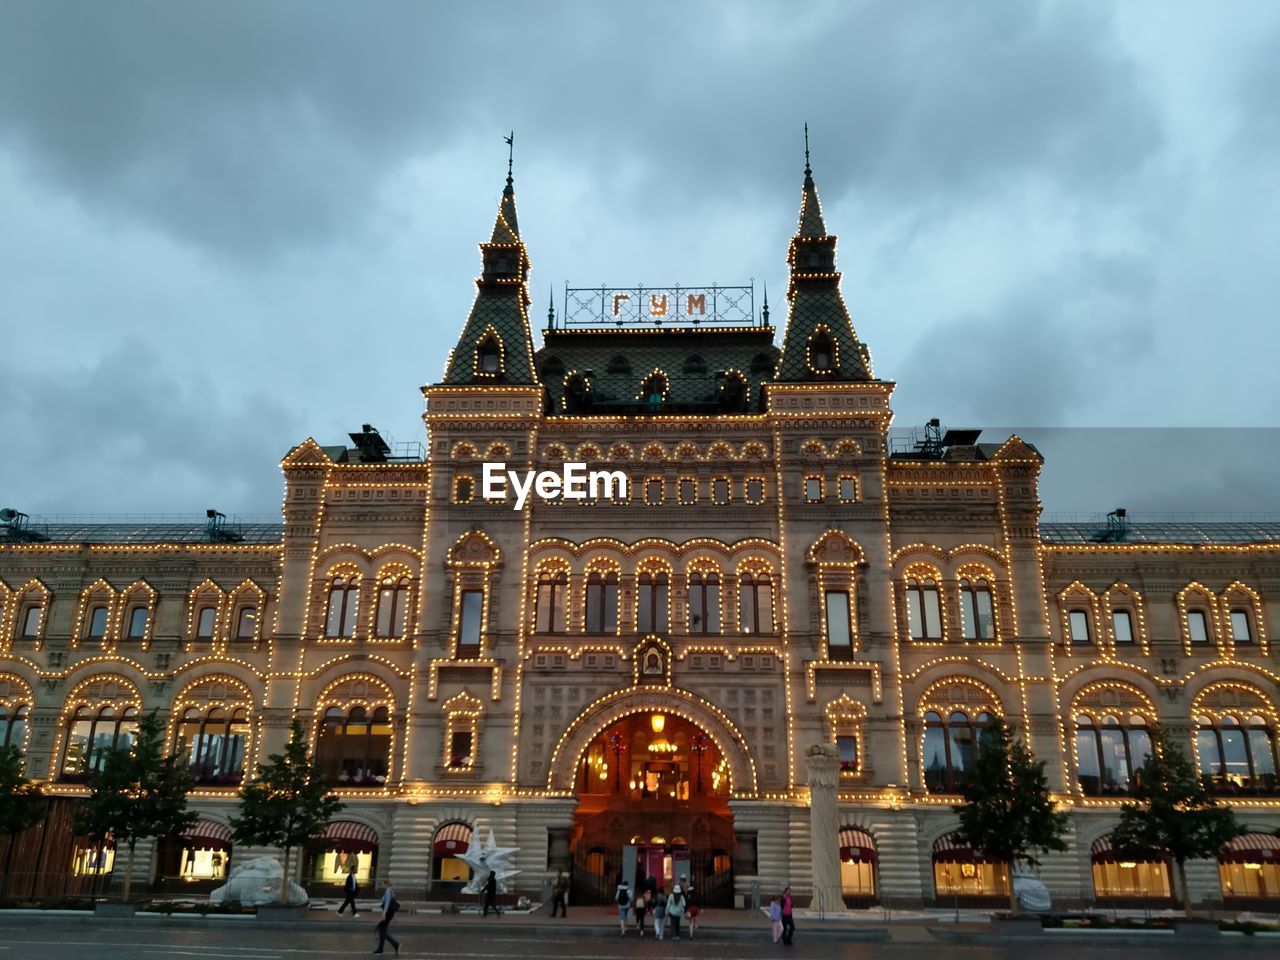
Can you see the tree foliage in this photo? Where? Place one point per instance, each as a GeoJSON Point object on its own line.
{"type": "Point", "coordinates": [1008, 815]}
{"type": "Point", "coordinates": [21, 803]}
{"type": "Point", "coordinates": [1175, 813]}
{"type": "Point", "coordinates": [286, 805]}
{"type": "Point", "coordinates": [139, 793]}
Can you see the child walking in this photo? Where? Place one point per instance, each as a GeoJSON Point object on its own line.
{"type": "Point", "coordinates": [775, 916]}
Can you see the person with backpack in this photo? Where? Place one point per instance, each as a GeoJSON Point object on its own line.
{"type": "Point", "coordinates": [351, 887]}
{"type": "Point", "coordinates": [675, 910]}
{"type": "Point", "coordinates": [390, 907]}
{"type": "Point", "coordinates": [622, 897]}
{"type": "Point", "coordinates": [560, 896]}
{"type": "Point", "coordinates": [659, 913]}
{"type": "Point", "coordinates": [692, 908]}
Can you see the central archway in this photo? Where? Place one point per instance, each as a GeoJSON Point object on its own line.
{"type": "Point", "coordinates": [653, 771]}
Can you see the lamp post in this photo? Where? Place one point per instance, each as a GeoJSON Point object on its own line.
{"type": "Point", "coordinates": [700, 743]}
{"type": "Point", "coordinates": [616, 743]}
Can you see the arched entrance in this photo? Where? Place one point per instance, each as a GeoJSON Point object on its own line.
{"type": "Point", "coordinates": [653, 789]}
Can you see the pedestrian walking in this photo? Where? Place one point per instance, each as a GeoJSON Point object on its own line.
{"type": "Point", "coordinates": [491, 894]}
{"type": "Point", "coordinates": [675, 910]}
{"type": "Point", "coordinates": [659, 913]}
{"type": "Point", "coordinates": [351, 887]}
{"type": "Point", "coordinates": [560, 895]}
{"type": "Point", "coordinates": [640, 908]}
{"type": "Point", "coordinates": [390, 907]}
{"type": "Point", "coordinates": [775, 917]}
{"type": "Point", "coordinates": [622, 897]}
{"type": "Point", "coordinates": [692, 906]}
{"type": "Point", "coordinates": [788, 921]}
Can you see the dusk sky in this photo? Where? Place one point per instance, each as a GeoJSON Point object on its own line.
{"type": "Point", "coordinates": [226, 227]}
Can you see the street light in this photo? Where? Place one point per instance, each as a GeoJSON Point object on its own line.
{"type": "Point", "coordinates": [700, 743]}
{"type": "Point", "coordinates": [616, 744]}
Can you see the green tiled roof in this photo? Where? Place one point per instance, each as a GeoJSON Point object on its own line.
{"type": "Point", "coordinates": [617, 362]}
{"type": "Point", "coordinates": [816, 303]}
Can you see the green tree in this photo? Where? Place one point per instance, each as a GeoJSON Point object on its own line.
{"type": "Point", "coordinates": [139, 793]}
{"type": "Point", "coordinates": [21, 804]}
{"type": "Point", "coordinates": [1007, 814]}
{"type": "Point", "coordinates": [1175, 812]}
{"type": "Point", "coordinates": [286, 805]}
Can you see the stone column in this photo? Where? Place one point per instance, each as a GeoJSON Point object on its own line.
{"type": "Point", "coordinates": [823, 761]}
{"type": "Point", "coordinates": [558, 856]}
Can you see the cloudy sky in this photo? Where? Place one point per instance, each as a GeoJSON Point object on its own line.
{"type": "Point", "coordinates": [225, 227]}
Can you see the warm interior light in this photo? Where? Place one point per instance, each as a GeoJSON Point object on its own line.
{"type": "Point", "coordinates": [1253, 866]}
{"type": "Point", "coordinates": [657, 721]}
{"type": "Point", "coordinates": [1127, 864]}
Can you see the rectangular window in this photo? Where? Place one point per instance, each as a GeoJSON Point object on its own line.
{"type": "Point", "coordinates": [839, 637]}
{"type": "Point", "coordinates": [720, 490]}
{"type": "Point", "coordinates": [753, 491]}
{"type": "Point", "coordinates": [653, 491]}
{"type": "Point", "coordinates": [1122, 626]}
{"type": "Point", "coordinates": [246, 623]}
{"type": "Point", "coordinates": [847, 747]}
{"type": "Point", "coordinates": [813, 489]}
{"type": "Point", "coordinates": [848, 489]}
{"type": "Point", "coordinates": [1079, 626]}
{"type": "Point", "coordinates": [470, 622]}
{"type": "Point", "coordinates": [688, 490]}
{"type": "Point", "coordinates": [463, 489]}
{"type": "Point", "coordinates": [30, 622]}
{"type": "Point", "coordinates": [1197, 626]}
{"type": "Point", "coordinates": [460, 749]}
{"type": "Point", "coordinates": [1240, 626]}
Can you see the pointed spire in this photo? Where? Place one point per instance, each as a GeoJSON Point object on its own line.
{"type": "Point", "coordinates": [764, 314]}
{"type": "Point", "coordinates": [811, 222]}
{"type": "Point", "coordinates": [496, 345]}
{"type": "Point", "coordinates": [551, 310]}
{"type": "Point", "coordinates": [819, 342]}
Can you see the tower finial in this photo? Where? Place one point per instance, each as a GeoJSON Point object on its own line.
{"type": "Point", "coordinates": [511, 153]}
{"type": "Point", "coordinates": [551, 310]}
{"type": "Point", "coordinates": [807, 171]}
{"type": "Point", "coordinates": [764, 314]}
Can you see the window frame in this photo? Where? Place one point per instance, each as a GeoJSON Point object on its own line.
{"type": "Point", "coordinates": [842, 651]}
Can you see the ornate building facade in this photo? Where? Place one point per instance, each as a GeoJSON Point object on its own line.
{"type": "Point", "coordinates": [629, 682]}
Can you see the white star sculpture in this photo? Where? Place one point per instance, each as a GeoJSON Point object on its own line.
{"type": "Point", "coordinates": [487, 859]}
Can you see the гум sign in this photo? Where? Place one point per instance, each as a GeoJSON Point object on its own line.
{"type": "Point", "coordinates": [573, 482]}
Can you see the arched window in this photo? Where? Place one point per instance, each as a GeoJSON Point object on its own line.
{"type": "Point", "coordinates": [553, 591]}
{"type": "Point", "coordinates": [213, 744]}
{"type": "Point", "coordinates": [976, 611]}
{"type": "Point", "coordinates": [1117, 876]}
{"type": "Point", "coordinates": [97, 622]}
{"type": "Point", "coordinates": [552, 370]}
{"type": "Point", "coordinates": [354, 748]}
{"type": "Point", "coordinates": [1110, 754]}
{"type": "Point", "coordinates": [694, 366]}
{"type": "Point", "coordinates": [762, 365]}
{"type": "Point", "coordinates": [13, 726]}
{"type": "Point", "coordinates": [704, 602]}
{"type": "Point", "coordinates": [924, 611]}
{"type": "Point", "coordinates": [654, 389]}
{"type": "Point", "coordinates": [451, 841]}
{"type": "Point", "coordinates": [1122, 626]}
{"type": "Point", "coordinates": [205, 619]}
{"type": "Point", "coordinates": [393, 604]}
{"type": "Point", "coordinates": [822, 352]}
{"type": "Point", "coordinates": [29, 621]}
{"type": "Point", "coordinates": [137, 624]}
{"type": "Point", "coordinates": [92, 734]}
{"type": "Point", "coordinates": [1238, 756]}
{"type": "Point", "coordinates": [1241, 631]}
{"type": "Point", "coordinates": [619, 366]}
{"type": "Point", "coordinates": [857, 864]}
{"type": "Point", "coordinates": [489, 357]}
{"type": "Point", "coordinates": [950, 747]}
{"type": "Point", "coordinates": [755, 603]}
{"type": "Point", "coordinates": [344, 603]}
{"type": "Point", "coordinates": [651, 602]}
{"type": "Point", "coordinates": [602, 602]}
{"type": "Point", "coordinates": [247, 622]}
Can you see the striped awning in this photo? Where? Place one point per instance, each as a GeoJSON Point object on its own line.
{"type": "Point", "coordinates": [207, 835]}
{"type": "Point", "coordinates": [857, 845]}
{"type": "Point", "coordinates": [1103, 852]}
{"type": "Point", "coordinates": [947, 849]}
{"type": "Point", "coordinates": [452, 840]}
{"type": "Point", "coordinates": [350, 837]}
{"type": "Point", "coordinates": [1251, 848]}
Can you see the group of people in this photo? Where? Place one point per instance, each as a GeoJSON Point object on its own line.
{"type": "Point", "coordinates": [651, 899]}
{"type": "Point", "coordinates": [780, 912]}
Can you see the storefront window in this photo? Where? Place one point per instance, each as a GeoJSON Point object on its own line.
{"type": "Point", "coordinates": [960, 871]}
{"type": "Point", "coordinates": [93, 860]}
{"type": "Point", "coordinates": [354, 749]}
{"type": "Point", "coordinates": [1240, 757]}
{"type": "Point", "coordinates": [1249, 867]}
{"type": "Point", "coordinates": [950, 747]}
{"type": "Point", "coordinates": [213, 744]}
{"type": "Point", "coordinates": [857, 863]}
{"type": "Point", "coordinates": [1110, 754]}
{"type": "Point", "coordinates": [91, 735]}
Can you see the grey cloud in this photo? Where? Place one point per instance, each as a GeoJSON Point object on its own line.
{"type": "Point", "coordinates": [131, 432]}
